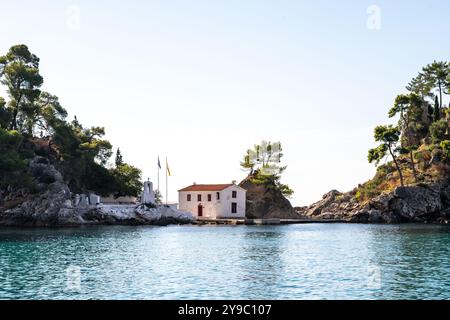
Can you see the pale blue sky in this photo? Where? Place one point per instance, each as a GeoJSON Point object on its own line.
{"type": "Point", "coordinates": [201, 81]}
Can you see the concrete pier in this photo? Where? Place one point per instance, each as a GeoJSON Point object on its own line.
{"type": "Point", "coordinates": [262, 221]}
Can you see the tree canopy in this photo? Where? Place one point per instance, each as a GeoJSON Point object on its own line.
{"type": "Point", "coordinates": [263, 162]}
{"type": "Point", "coordinates": [418, 144]}
{"type": "Point", "coordinates": [436, 76]}
{"type": "Point", "coordinates": [31, 119]}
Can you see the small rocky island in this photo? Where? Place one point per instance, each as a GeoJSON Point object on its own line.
{"type": "Point", "coordinates": [47, 160]}
{"type": "Point", "coordinates": [55, 206]}
{"type": "Point", "coordinates": [266, 203]}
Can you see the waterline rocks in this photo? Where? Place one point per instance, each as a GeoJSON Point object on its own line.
{"type": "Point", "coordinates": [136, 215]}
{"type": "Point", "coordinates": [265, 203]}
{"type": "Point", "coordinates": [50, 206]}
{"type": "Point", "coordinates": [426, 202]}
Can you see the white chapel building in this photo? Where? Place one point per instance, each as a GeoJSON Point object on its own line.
{"type": "Point", "coordinates": [213, 201]}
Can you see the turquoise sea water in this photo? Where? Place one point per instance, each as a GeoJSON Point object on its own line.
{"type": "Point", "coordinates": [317, 261]}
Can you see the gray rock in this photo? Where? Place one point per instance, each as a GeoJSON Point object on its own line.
{"type": "Point", "coordinates": [51, 206]}
{"type": "Point", "coordinates": [417, 203]}
{"type": "Point", "coordinates": [265, 203]}
{"type": "Point", "coordinates": [427, 202]}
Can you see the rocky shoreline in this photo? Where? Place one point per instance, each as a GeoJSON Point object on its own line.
{"type": "Point", "coordinates": [25, 215]}
{"type": "Point", "coordinates": [52, 206]}
{"type": "Point", "coordinates": [421, 203]}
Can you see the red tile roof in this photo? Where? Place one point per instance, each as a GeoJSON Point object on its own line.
{"type": "Point", "coordinates": [207, 187]}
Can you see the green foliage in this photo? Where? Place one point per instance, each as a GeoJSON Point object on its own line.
{"type": "Point", "coordinates": [420, 114]}
{"type": "Point", "coordinates": [271, 182]}
{"type": "Point", "coordinates": [445, 146]}
{"type": "Point", "coordinates": [421, 86]}
{"type": "Point", "coordinates": [49, 113]}
{"type": "Point", "coordinates": [438, 130]}
{"type": "Point", "coordinates": [158, 197]}
{"type": "Point", "coordinates": [264, 157]}
{"type": "Point", "coordinates": [436, 110]}
{"type": "Point", "coordinates": [263, 162]}
{"type": "Point", "coordinates": [13, 168]}
{"type": "Point", "coordinates": [81, 154]}
{"type": "Point", "coordinates": [377, 185]}
{"type": "Point", "coordinates": [285, 190]}
{"type": "Point", "coordinates": [5, 115]}
{"type": "Point", "coordinates": [411, 124]}
{"type": "Point", "coordinates": [97, 178]}
{"type": "Point", "coordinates": [377, 154]}
{"type": "Point", "coordinates": [447, 113]}
{"type": "Point", "coordinates": [119, 158]}
{"type": "Point", "coordinates": [401, 105]}
{"type": "Point", "coordinates": [389, 137]}
{"type": "Point", "coordinates": [19, 71]}
{"type": "Point", "coordinates": [128, 180]}
{"type": "Point", "coordinates": [435, 74]}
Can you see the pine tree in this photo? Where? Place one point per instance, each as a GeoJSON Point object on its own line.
{"type": "Point", "coordinates": [119, 158]}
{"type": "Point", "coordinates": [437, 110]}
{"type": "Point", "coordinates": [436, 74]}
{"type": "Point", "coordinates": [389, 137]}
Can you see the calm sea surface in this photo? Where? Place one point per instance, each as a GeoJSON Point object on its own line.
{"type": "Point", "coordinates": [317, 261]}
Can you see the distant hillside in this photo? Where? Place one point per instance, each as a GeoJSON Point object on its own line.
{"type": "Point", "coordinates": [412, 182]}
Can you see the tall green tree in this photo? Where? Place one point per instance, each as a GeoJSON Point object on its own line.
{"type": "Point", "coordinates": [409, 108]}
{"type": "Point", "coordinates": [421, 86]}
{"type": "Point", "coordinates": [49, 113]}
{"type": "Point", "coordinates": [436, 74]}
{"type": "Point", "coordinates": [5, 116]}
{"type": "Point", "coordinates": [438, 131]}
{"type": "Point", "coordinates": [83, 154]}
{"type": "Point", "coordinates": [436, 110]}
{"type": "Point", "coordinates": [79, 153]}
{"type": "Point", "coordinates": [445, 146]}
{"type": "Point", "coordinates": [19, 71]}
{"type": "Point", "coordinates": [264, 157]}
{"type": "Point", "coordinates": [264, 163]}
{"type": "Point", "coordinates": [119, 158]}
{"type": "Point", "coordinates": [389, 137]}
{"type": "Point", "coordinates": [128, 180]}
{"type": "Point", "coordinates": [13, 167]}
{"type": "Point", "coordinates": [424, 89]}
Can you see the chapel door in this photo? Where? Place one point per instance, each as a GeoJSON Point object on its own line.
{"type": "Point", "coordinates": [200, 211]}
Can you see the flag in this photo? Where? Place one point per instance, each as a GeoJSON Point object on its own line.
{"type": "Point", "coordinates": [168, 169]}
{"type": "Point", "coordinates": [159, 163]}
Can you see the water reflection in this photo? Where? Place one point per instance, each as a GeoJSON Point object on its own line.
{"type": "Point", "coordinates": [261, 262]}
{"type": "Point", "coordinates": [417, 264]}
{"type": "Point", "coordinates": [226, 262]}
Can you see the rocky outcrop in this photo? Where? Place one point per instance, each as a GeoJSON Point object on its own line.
{"type": "Point", "coordinates": [427, 202]}
{"type": "Point", "coordinates": [136, 215]}
{"type": "Point", "coordinates": [265, 203]}
{"type": "Point", "coordinates": [52, 206]}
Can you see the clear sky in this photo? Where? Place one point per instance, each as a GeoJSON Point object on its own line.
{"type": "Point", "coordinates": [201, 81]}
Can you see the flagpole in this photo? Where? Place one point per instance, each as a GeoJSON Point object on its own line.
{"type": "Point", "coordinates": [159, 169]}
{"type": "Point", "coordinates": [167, 183]}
